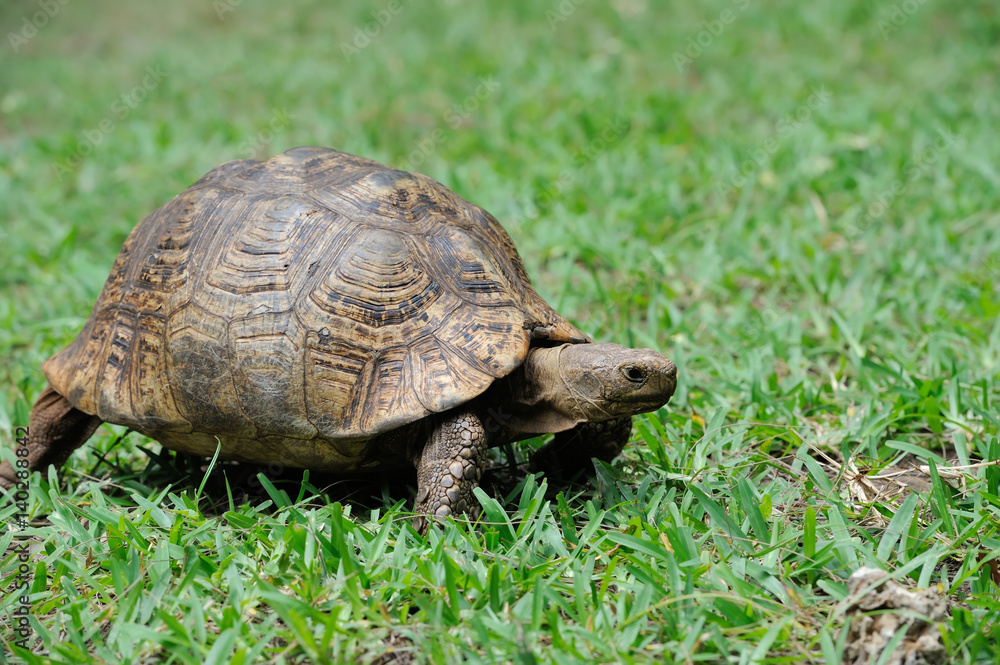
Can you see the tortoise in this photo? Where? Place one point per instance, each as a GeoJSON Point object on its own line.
{"type": "Point", "coordinates": [320, 310]}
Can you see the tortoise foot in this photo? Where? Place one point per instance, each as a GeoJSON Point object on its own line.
{"type": "Point", "coordinates": [56, 428]}
{"type": "Point", "coordinates": [449, 469]}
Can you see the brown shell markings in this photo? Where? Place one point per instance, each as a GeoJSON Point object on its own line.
{"type": "Point", "coordinates": [316, 296]}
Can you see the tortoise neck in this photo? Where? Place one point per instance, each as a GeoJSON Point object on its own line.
{"type": "Point", "coordinates": [531, 400]}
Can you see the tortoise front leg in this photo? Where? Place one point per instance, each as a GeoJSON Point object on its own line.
{"type": "Point", "coordinates": [570, 452]}
{"type": "Point", "coordinates": [55, 429]}
{"type": "Point", "coordinates": [449, 468]}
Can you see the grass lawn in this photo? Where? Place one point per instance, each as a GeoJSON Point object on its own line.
{"type": "Point", "coordinates": [796, 202]}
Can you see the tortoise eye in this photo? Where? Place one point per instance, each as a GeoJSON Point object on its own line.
{"type": "Point", "coordinates": [634, 374]}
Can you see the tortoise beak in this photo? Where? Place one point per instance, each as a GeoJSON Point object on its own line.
{"type": "Point", "coordinates": [664, 380]}
{"type": "Point", "coordinates": [655, 378]}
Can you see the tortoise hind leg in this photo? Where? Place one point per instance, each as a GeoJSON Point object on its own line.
{"type": "Point", "coordinates": [56, 428]}
{"type": "Point", "coordinates": [570, 452]}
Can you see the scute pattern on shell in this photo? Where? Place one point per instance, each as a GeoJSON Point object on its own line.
{"type": "Point", "coordinates": [313, 296]}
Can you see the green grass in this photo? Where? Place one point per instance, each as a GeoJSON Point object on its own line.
{"type": "Point", "coordinates": [832, 307]}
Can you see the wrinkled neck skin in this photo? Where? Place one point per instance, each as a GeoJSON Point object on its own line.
{"type": "Point", "coordinates": [533, 399]}
{"type": "Point", "coordinates": [560, 387]}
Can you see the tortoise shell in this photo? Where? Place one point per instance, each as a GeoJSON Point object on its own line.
{"type": "Point", "coordinates": [313, 297]}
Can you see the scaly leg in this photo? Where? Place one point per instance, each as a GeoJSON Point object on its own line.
{"type": "Point", "coordinates": [449, 468]}
{"type": "Point", "coordinates": [55, 430]}
{"type": "Point", "coordinates": [570, 452]}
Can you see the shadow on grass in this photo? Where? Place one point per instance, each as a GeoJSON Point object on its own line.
{"type": "Point", "coordinates": [232, 484]}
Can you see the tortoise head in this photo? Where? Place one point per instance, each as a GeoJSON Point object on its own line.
{"type": "Point", "coordinates": [595, 382]}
